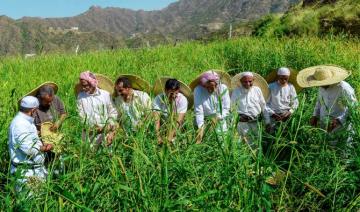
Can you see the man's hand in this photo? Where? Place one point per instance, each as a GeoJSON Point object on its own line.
{"type": "Point", "coordinates": [333, 125]}
{"type": "Point", "coordinates": [46, 147]}
{"type": "Point", "coordinates": [244, 118]}
{"type": "Point", "coordinates": [277, 117]}
{"type": "Point", "coordinates": [314, 121]}
{"type": "Point", "coordinates": [285, 116]}
{"type": "Point", "coordinates": [54, 127]}
{"type": "Point", "coordinates": [109, 138]}
{"type": "Point", "coordinates": [159, 139]}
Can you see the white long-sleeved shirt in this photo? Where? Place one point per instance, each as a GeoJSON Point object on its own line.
{"type": "Point", "coordinates": [333, 102]}
{"type": "Point", "coordinates": [132, 112]}
{"type": "Point", "coordinates": [161, 104]}
{"type": "Point", "coordinates": [24, 144]}
{"type": "Point", "coordinates": [281, 99]}
{"type": "Point", "coordinates": [211, 104]}
{"type": "Point", "coordinates": [249, 102]}
{"type": "Point", "coordinates": [96, 109]}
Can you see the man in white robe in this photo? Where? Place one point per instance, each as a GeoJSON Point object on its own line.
{"type": "Point", "coordinates": [211, 102]}
{"type": "Point", "coordinates": [248, 101]}
{"type": "Point", "coordinates": [96, 110]}
{"type": "Point", "coordinates": [27, 152]}
{"type": "Point", "coordinates": [282, 101]}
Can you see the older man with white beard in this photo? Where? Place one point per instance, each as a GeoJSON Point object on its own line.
{"type": "Point", "coordinates": [282, 101]}
{"type": "Point", "coordinates": [248, 101]}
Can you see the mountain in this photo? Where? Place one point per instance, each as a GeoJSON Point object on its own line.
{"type": "Point", "coordinates": [103, 28]}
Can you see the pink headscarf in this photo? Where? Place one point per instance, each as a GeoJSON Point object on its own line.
{"type": "Point", "coordinates": [209, 76]}
{"type": "Point", "coordinates": [89, 77]}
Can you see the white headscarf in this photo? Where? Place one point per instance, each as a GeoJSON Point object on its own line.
{"type": "Point", "coordinates": [246, 74]}
{"type": "Point", "coordinates": [283, 71]}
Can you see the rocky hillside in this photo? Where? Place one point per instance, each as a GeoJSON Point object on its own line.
{"type": "Point", "coordinates": [100, 28]}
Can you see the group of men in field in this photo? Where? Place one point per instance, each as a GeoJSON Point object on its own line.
{"type": "Point", "coordinates": [105, 108]}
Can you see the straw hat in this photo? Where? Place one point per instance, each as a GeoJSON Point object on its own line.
{"type": "Point", "coordinates": [322, 75]}
{"type": "Point", "coordinates": [34, 91]}
{"type": "Point", "coordinates": [225, 78]}
{"type": "Point", "coordinates": [259, 81]}
{"type": "Point", "coordinates": [104, 83]}
{"type": "Point", "coordinates": [159, 87]}
{"type": "Point", "coordinates": [50, 137]}
{"type": "Point", "coordinates": [137, 83]}
{"type": "Point", "coordinates": [272, 77]}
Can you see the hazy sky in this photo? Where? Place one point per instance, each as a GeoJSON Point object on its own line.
{"type": "Point", "coordinates": [63, 8]}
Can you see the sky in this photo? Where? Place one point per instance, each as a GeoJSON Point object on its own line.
{"type": "Point", "coordinates": [65, 8]}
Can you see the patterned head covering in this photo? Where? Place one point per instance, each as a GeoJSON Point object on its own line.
{"type": "Point", "coordinates": [89, 77]}
{"type": "Point", "coordinates": [209, 76]}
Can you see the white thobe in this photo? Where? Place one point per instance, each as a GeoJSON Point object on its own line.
{"type": "Point", "coordinates": [216, 104]}
{"type": "Point", "coordinates": [333, 102]}
{"type": "Point", "coordinates": [24, 148]}
{"type": "Point", "coordinates": [282, 99]}
{"type": "Point", "coordinates": [161, 104]}
{"type": "Point", "coordinates": [96, 109]}
{"type": "Point", "coordinates": [132, 112]}
{"type": "Point", "coordinates": [249, 102]}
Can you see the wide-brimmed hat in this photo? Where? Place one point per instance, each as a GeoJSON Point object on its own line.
{"type": "Point", "coordinates": [34, 91]}
{"type": "Point", "coordinates": [321, 75]}
{"type": "Point", "coordinates": [137, 83]}
{"type": "Point", "coordinates": [159, 87]}
{"type": "Point", "coordinates": [259, 81]}
{"type": "Point", "coordinates": [225, 78]}
{"type": "Point", "coordinates": [272, 77]}
{"type": "Point", "coordinates": [50, 137]}
{"type": "Point", "coordinates": [103, 83]}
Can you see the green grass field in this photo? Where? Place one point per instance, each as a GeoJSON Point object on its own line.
{"type": "Point", "coordinates": [215, 175]}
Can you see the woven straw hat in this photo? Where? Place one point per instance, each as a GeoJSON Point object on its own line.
{"type": "Point", "coordinates": [225, 78]}
{"type": "Point", "coordinates": [322, 75]}
{"type": "Point", "coordinates": [159, 87]}
{"type": "Point", "coordinates": [272, 77]}
{"type": "Point", "coordinates": [104, 83]}
{"type": "Point", "coordinates": [137, 83]}
{"type": "Point", "coordinates": [259, 81]}
{"type": "Point", "coordinates": [34, 91]}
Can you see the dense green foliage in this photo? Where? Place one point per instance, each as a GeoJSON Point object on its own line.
{"type": "Point", "coordinates": [217, 174]}
{"type": "Point", "coordinates": [342, 17]}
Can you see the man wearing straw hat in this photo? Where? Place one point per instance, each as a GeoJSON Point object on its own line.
{"type": "Point", "coordinates": [248, 101]}
{"type": "Point", "coordinates": [211, 102]}
{"type": "Point", "coordinates": [51, 108]}
{"type": "Point", "coordinates": [335, 96]}
{"type": "Point", "coordinates": [282, 101]}
{"type": "Point", "coordinates": [133, 104]}
{"type": "Point", "coordinates": [25, 147]}
{"type": "Point", "coordinates": [96, 109]}
{"type": "Point", "coordinates": [169, 106]}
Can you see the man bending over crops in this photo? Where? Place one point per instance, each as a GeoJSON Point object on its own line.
{"type": "Point", "coordinates": [96, 110]}
{"type": "Point", "coordinates": [211, 102]}
{"type": "Point", "coordinates": [335, 96]}
{"type": "Point", "coordinates": [133, 105]}
{"type": "Point", "coordinates": [282, 101]}
{"type": "Point", "coordinates": [169, 106]}
{"type": "Point", "coordinates": [51, 108]}
{"type": "Point", "coordinates": [25, 147]}
{"type": "Point", "coordinates": [248, 101]}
